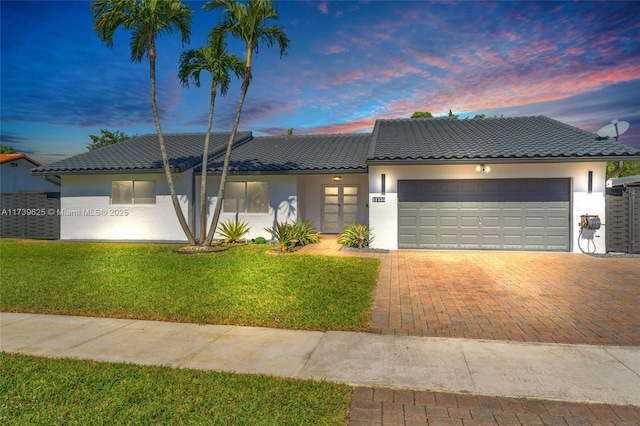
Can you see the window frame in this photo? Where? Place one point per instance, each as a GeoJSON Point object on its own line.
{"type": "Point", "coordinates": [246, 203]}
{"type": "Point", "coordinates": [132, 196]}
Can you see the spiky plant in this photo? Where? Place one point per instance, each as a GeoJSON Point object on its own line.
{"type": "Point", "coordinates": [356, 235]}
{"type": "Point", "coordinates": [233, 231]}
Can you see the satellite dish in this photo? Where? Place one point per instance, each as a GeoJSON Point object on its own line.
{"type": "Point", "coordinates": [614, 130]}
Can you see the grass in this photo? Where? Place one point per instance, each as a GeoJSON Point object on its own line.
{"type": "Point", "coordinates": [241, 286]}
{"type": "Point", "coordinates": [36, 391]}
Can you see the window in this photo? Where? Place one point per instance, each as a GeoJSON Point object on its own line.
{"type": "Point", "coordinates": [133, 192]}
{"type": "Point", "coordinates": [246, 197]}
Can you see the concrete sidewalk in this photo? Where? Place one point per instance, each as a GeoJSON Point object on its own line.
{"type": "Point", "coordinates": [580, 373]}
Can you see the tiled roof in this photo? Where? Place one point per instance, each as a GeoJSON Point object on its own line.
{"type": "Point", "coordinates": [143, 154]}
{"type": "Point", "coordinates": [492, 138]}
{"type": "Point", "coordinates": [6, 158]}
{"type": "Point", "coordinates": [298, 153]}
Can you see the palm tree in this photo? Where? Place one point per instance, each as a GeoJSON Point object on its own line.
{"type": "Point", "coordinates": [215, 60]}
{"type": "Point", "coordinates": [249, 22]}
{"type": "Point", "coordinates": [146, 19]}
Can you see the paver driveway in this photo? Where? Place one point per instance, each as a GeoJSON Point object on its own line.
{"type": "Point", "coordinates": [531, 297]}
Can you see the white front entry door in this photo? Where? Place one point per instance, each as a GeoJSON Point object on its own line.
{"type": "Point", "coordinates": [339, 207]}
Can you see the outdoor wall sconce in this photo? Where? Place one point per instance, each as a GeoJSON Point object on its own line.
{"type": "Point", "coordinates": [383, 183]}
{"type": "Point", "coordinates": [483, 168]}
{"type": "Point", "coordinates": [337, 178]}
{"type": "Point", "coordinates": [590, 182]}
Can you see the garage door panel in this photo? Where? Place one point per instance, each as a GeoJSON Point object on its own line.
{"type": "Point", "coordinates": [557, 222]}
{"type": "Point", "coordinates": [512, 221]}
{"type": "Point", "coordinates": [469, 221]}
{"type": "Point", "coordinates": [512, 241]}
{"type": "Point", "coordinates": [490, 221]}
{"type": "Point", "coordinates": [513, 214]}
{"type": "Point", "coordinates": [448, 221]}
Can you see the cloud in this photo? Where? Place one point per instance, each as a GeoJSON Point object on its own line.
{"type": "Point", "coordinates": [334, 48]}
{"type": "Point", "coordinates": [12, 139]}
{"type": "Point", "coordinates": [323, 7]}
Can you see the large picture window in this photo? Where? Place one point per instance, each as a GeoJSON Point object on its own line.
{"type": "Point", "coordinates": [128, 192]}
{"type": "Point", "coordinates": [246, 197]}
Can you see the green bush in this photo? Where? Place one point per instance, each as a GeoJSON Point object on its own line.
{"type": "Point", "coordinates": [305, 233]}
{"type": "Point", "coordinates": [259, 240]}
{"type": "Point", "coordinates": [233, 231]}
{"type": "Point", "coordinates": [356, 235]}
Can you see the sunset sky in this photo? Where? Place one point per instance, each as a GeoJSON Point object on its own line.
{"type": "Point", "coordinates": [349, 63]}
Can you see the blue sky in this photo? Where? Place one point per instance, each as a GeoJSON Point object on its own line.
{"type": "Point", "coordinates": [349, 63]}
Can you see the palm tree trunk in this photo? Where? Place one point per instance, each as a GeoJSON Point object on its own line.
{"type": "Point", "coordinates": [163, 148]}
{"type": "Point", "coordinates": [227, 157]}
{"type": "Point", "coordinates": [205, 159]}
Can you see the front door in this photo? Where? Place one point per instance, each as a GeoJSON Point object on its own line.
{"type": "Point", "coordinates": [339, 207]}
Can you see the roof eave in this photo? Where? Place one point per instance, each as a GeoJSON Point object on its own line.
{"type": "Point", "coordinates": [497, 160]}
{"type": "Point", "coordinates": [105, 172]}
{"type": "Point", "coordinates": [290, 172]}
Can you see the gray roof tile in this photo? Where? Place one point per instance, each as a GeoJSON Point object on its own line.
{"type": "Point", "coordinates": [298, 153]}
{"type": "Point", "coordinates": [142, 153]}
{"type": "Point", "coordinates": [491, 138]}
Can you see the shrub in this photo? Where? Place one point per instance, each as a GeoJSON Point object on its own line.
{"type": "Point", "coordinates": [233, 231]}
{"type": "Point", "coordinates": [305, 233]}
{"type": "Point", "coordinates": [356, 235]}
{"type": "Point", "coordinates": [259, 240]}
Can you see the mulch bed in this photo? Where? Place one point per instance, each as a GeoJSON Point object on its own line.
{"type": "Point", "coordinates": [199, 249]}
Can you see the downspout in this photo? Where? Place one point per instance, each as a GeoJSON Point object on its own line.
{"type": "Point", "coordinates": [614, 171]}
{"type": "Point", "coordinates": [192, 205]}
{"type": "Point", "coordinates": [56, 181]}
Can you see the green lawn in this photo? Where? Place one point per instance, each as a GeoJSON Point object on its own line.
{"type": "Point", "coordinates": [242, 286]}
{"type": "Point", "coordinates": [41, 391]}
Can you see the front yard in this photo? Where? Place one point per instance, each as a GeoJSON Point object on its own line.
{"type": "Point", "coordinates": [241, 286]}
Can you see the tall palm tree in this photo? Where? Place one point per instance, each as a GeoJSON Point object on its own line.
{"type": "Point", "coordinates": [215, 60]}
{"type": "Point", "coordinates": [250, 22]}
{"type": "Point", "coordinates": [146, 19]}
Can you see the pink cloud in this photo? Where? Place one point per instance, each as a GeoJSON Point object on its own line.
{"type": "Point", "coordinates": [509, 89]}
{"type": "Point", "coordinates": [357, 125]}
{"type": "Point", "coordinates": [508, 35]}
{"type": "Point", "coordinates": [575, 50]}
{"type": "Point", "coordinates": [334, 48]}
{"type": "Point", "coordinates": [349, 77]}
{"type": "Point", "coordinates": [323, 7]}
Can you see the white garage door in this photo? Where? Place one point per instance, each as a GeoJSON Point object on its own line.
{"type": "Point", "coordinates": [499, 214]}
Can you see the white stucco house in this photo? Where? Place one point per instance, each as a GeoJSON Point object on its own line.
{"type": "Point", "coordinates": [495, 184]}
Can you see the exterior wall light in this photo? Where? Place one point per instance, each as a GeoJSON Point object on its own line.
{"type": "Point", "coordinates": [383, 183]}
{"type": "Point", "coordinates": [337, 178]}
{"type": "Point", "coordinates": [483, 168]}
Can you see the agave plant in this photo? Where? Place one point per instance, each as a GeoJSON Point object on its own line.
{"type": "Point", "coordinates": [233, 231]}
{"type": "Point", "coordinates": [305, 233]}
{"type": "Point", "coordinates": [356, 235]}
{"type": "Point", "coordinates": [282, 233]}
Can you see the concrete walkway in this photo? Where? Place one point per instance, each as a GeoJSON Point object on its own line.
{"type": "Point", "coordinates": [580, 373]}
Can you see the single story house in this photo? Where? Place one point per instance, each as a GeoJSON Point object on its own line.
{"type": "Point", "coordinates": [517, 183]}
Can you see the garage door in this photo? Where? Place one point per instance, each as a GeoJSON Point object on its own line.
{"type": "Point", "coordinates": [499, 214]}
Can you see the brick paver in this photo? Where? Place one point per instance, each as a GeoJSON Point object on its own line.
{"type": "Point", "coordinates": [527, 297]}
{"type": "Point", "coordinates": [378, 406]}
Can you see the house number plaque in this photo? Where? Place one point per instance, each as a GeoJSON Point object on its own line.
{"type": "Point", "coordinates": [377, 199]}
